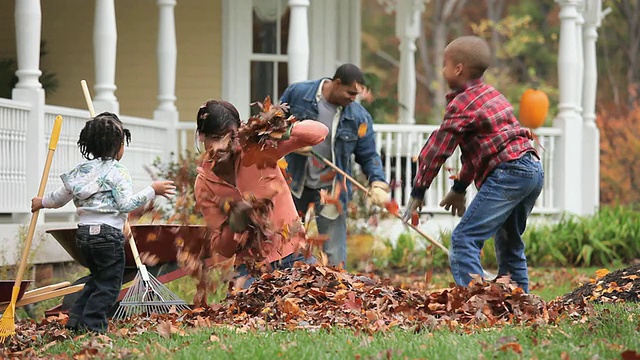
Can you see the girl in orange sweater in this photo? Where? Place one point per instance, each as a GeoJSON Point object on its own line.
{"type": "Point", "coordinates": [230, 178]}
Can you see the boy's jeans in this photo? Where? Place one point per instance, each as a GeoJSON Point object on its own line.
{"type": "Point", "coordinates": [336, 229]}
{"type": "Point", "coordinates": [284, 263]}
{"type": "Point", "coordinates": [103, 248]}
{"type": "Point", "coordinates": [499, 210]}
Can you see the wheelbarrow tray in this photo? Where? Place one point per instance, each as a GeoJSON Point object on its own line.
{"type": "Point", "coordinates": [158, 240]}
{"type": "Point", "coordinates": [45, 293]}
{"type": "Point", "coordinates": [6, 289]}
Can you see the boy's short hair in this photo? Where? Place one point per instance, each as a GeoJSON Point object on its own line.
{"type": "Point", "coordinates": [471, 51]}
{"type": "Point", "coordinates": [102, 137]}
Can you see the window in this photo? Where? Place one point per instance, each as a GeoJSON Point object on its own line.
{"type": "Point", "coordinates": [269, 52]}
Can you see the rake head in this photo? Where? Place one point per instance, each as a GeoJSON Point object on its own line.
{"type": "Point", "coordinates": [147, 295]}
{"type": "Point", "coordinates": [7, 322]}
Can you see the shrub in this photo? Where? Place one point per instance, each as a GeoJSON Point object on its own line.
{"type": "Point", "coordinates": [610, 236]}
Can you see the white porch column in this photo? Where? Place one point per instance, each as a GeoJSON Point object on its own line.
{"type": "Point", "coordinates": [568, 159]}
{"type": "Point", "coordinates": [591, 134]}
{"type": "Point", "coordinates": [105, 41]}
{"type": "Point", "coordinates": [28, 24]}
{"type": "Point", "coordinates": [298, 48]}
{"type": "Point", "coordinates": [408, 14]}
{"type": "Point", "coordinates": [167, 59]}
{"type": "Point", "coordinates": [580, 51]}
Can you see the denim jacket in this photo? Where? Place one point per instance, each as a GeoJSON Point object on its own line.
{"type": "Point", "coordinates": [301, 98]}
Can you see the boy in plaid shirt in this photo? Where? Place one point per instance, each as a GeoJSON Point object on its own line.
{"type": "Point", "coordinates": [496, 154]}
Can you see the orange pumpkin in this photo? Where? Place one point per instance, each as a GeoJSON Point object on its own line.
{"type": "Point", "coordinates": [534, 106]}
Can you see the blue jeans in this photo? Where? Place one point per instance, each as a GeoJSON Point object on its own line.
{"type": "Point", "coordinates": [499, 210]}
{"type": "Point", "coordinates": [103, 249]}
{"type": "Point", "coordinates": [284, 263]}
{"type": "Point", "coordinates": [336, 229]}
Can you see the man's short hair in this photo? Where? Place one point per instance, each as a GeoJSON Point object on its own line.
{"type": "Point", "coordinates": [348, 73]}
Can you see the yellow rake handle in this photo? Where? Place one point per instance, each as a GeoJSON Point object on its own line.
{"type": "Point", "coordinates": [53, 143]}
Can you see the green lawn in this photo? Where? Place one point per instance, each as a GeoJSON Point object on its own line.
{"type": "Point", "coordinates": [606, 336]}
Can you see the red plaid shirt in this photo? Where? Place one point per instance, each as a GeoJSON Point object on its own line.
{"type": "Point", "coordinates": [480, 120]}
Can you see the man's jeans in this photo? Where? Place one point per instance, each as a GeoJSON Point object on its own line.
{"type": "Point", "coordinates": [336, 246]}
{"type": "Point", "coordinates": [284, 263]}
{"type": "Point", "coordinates": [103, 248]}
{"type": "Point", "coordinates": [499, 210]}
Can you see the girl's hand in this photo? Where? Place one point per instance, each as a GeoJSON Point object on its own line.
{"type": "Point", "coordinates": [126, 231]}
{"type": "Point", "coordinates": [164, 187]}
{"type": "Point", "coordinates": [36, 204]}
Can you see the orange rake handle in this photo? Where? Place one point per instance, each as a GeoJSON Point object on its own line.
{"type": "Point", "coordinates": [363, 188]}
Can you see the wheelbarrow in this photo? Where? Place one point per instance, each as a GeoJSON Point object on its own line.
{"type": "Point", "coordinates": [158, 240]}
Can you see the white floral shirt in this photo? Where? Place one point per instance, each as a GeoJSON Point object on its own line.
{"type": "Point", "coordinates": [102, 191]}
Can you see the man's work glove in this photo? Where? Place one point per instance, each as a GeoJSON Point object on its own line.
{"type": "Point", "coordinates": [379, 193]}
{"type": "Point", "coordinates": [239, 216]}
{"type": "Point", "coordinates": [415, 204]}
{"type": "Point", "coordinates": [456, 201]}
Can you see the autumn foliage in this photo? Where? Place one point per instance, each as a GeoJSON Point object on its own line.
{"type": "Point", "coordinates": [620, 156]}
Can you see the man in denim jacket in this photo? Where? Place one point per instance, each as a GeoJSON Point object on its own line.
{"type": "Point", "coordinates": [332, 102]}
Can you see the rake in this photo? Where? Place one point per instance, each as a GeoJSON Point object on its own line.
{"type": "Point", "coordinates": [487, 274]}
{"type": "Point", "coordinates": [147, 295]}
{"type": "Point", "coordinates": [7, 322]}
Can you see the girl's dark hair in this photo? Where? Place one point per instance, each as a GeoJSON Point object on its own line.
{"type": "Point", "coordinates": [216, 117]}
{"type": "Point", "coordinates": [102, 137]}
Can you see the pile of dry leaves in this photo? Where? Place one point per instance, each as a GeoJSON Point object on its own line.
{"type": "Point", "coordinates": [319, 297]}
{"type": "Point", "coordinates": [620, 285]}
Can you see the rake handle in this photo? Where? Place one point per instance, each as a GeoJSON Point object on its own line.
{"type": "Point", "coordinates": [92, 113]}
{"type": "Point", "coordinates": [87, 98]}
{"type": "Point", "coordinates": [53, 143]}
{"type": "Point", "coordinates": [134, 251]}
{"type": "Point", "coordinates": [363, 188]}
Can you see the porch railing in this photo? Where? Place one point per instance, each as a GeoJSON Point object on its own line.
{"type": "Point", "coordinates": [149, 141]}
{"type": "Point", "coordinates": [13, 147]}
{"type": "Point", "coordinates": [398, 145]}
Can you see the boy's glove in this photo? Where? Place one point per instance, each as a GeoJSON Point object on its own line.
{"type": "Point", "coordinates": [414, 205]}
{"type": "Point", "coordinates": [379, 193]}
{"type": "Point", "coordinates": [239, 216]}
{"type": "Point", "coordinates": [456, 201]}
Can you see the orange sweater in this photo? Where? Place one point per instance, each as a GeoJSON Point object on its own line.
{"type": "Point", "coordinates": [261, 183]}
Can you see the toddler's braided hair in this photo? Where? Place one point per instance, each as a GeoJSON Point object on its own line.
{"type": "Point", "coordinates": [102, 137]}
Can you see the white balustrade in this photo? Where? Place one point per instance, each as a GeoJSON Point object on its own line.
{"type": "Point", "coordinates": [148, 141]}
{"type": "Point", "coordinates": [13, 147]}
{"type": "Point", "coordinates": [400, 145]}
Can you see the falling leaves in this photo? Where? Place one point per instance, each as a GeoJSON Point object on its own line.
{"type": "Point", "coordinates": [263, 131]}
{"type": "Point", "coordinates": [392, 207]}
{"type": "Point", "coordinates": [362, 130]}
{"type": "Point", "coordinates": [415, 218]}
